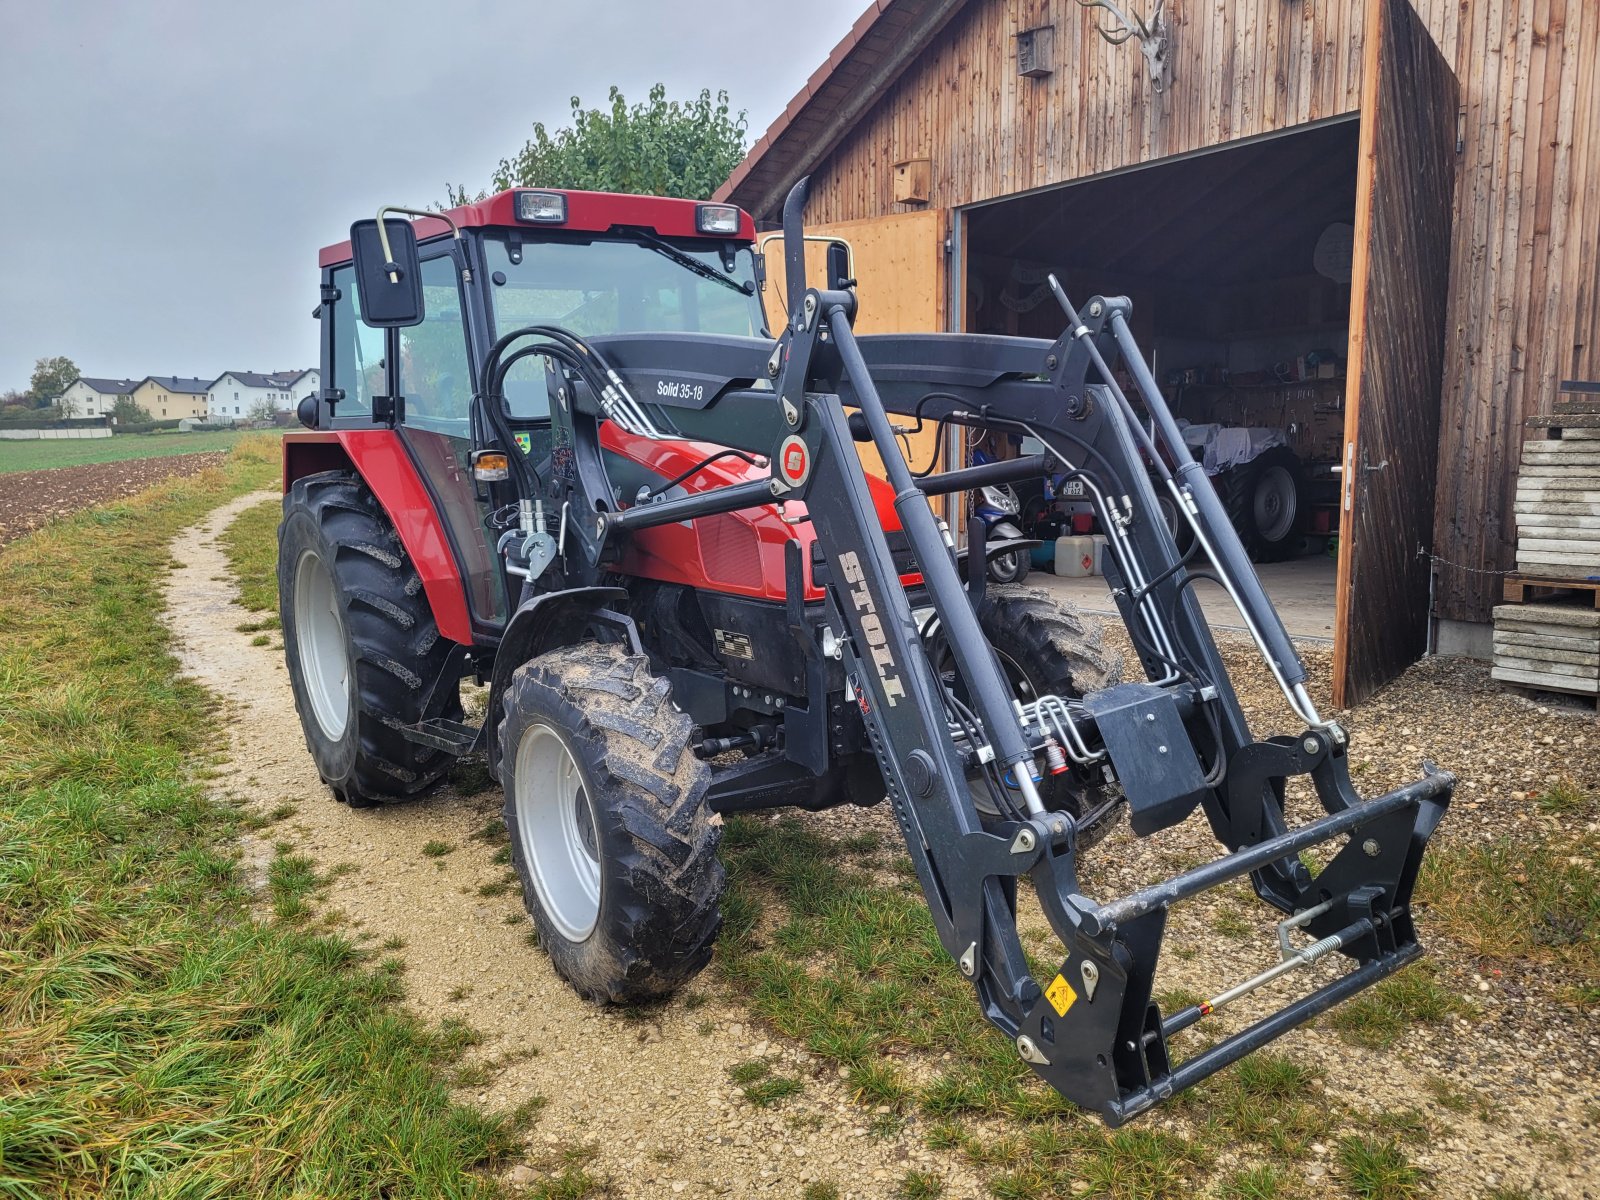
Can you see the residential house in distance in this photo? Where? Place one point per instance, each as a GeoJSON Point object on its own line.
{"type": "Point", "coordinates": [169, 397]}
{"type": "Point", "coordinates": [235, 394]}
{"type": "Point", "coordinates": [302, 384]}
{"type": "Point", "coordinates": [89, 396]}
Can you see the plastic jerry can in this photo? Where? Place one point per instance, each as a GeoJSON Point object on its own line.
{"type": "Point", "coordinates": [1075, 556]}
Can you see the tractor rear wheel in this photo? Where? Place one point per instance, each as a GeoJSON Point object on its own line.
{"type": "Point", "coordinates": [610, 832]}
{"type": "Point", "coordinates": [364, 654]}
{"type": "Point", "coordinates": [1266, 500]}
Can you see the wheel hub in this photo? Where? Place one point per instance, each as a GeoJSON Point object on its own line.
{"type": "Point", "coordinates": [320, 645]}
{"type": "Point", "coordinates": [556, 829]}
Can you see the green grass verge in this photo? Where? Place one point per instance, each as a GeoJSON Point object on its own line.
{"type": "Point", "coordinates": [46, 453]}
{"type": "Point", "coordinates": [251, 544]}
{"type": "Point", "coordinates": [833, 951]}
{"type": "Point", "coordinates": [1514, 898]}
{"type": "Point", "coordinates": [156, 1039]}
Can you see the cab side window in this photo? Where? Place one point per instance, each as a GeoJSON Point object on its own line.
{"type": "Point", "coordinates": [357, 350]}
{"type": "Point", "coordinates": [435, 376]}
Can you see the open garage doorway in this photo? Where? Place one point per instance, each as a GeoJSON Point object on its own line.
{"type": "Point", "coordinates": [1238, 262]}
{"type": "Point", "coordinates": [1292, 292]}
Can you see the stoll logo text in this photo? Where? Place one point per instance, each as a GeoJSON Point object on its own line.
{"type": "Point", "coordinates": [877, 642]}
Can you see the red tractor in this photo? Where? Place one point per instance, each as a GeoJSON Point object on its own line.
{"type": "Point", "coordinates": [559, 453]}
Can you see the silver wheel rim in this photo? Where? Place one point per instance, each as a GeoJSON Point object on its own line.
{"type": "Point", "coordinates": [1276, 504]}
{"type": "Point", "coordinates": [555, 824]}
{"type": "Point", "coordinates": [319, 641]}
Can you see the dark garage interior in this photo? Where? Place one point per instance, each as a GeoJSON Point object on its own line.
{"type": "Point", "coordinates": [1238, 265]}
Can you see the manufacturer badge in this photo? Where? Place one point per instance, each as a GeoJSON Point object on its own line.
{"type": "Point", "coordinates": [794, 460]}
{"type": "Point", "coordinates": [734, 645]}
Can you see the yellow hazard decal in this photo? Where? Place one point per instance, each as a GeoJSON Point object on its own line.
{"type": "Point", "coordinates": [1060, 995]}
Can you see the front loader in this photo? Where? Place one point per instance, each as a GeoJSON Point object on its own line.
{"type": "Point", "coordinates": [574, 477]}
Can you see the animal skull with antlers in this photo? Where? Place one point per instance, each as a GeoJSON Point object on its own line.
{"type": "Point", "coordinates": [1152, 35]}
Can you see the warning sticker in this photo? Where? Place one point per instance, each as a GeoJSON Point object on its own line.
{"type": "Point", "coordinates": [1060, 995]}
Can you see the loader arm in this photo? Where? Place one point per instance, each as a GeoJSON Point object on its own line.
{"type": "Point", "coordinates": [1176, 741]}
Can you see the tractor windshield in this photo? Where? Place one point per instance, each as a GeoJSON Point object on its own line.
{"type": "Point", "coordinates": [624, 284]}
{"type": "Point", "coordinates": [615, 284]}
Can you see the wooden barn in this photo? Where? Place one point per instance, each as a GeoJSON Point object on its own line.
{"type": "Point", "coordinates": [1369, 224]}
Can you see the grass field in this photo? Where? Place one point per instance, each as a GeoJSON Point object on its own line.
{"type": "Point", "coordinates": [158, 1036]}
{"type": "Point", "coordinates": [44, 454]}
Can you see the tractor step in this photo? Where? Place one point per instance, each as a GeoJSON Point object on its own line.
{"type": "Point", "coordinates": [453, 737]}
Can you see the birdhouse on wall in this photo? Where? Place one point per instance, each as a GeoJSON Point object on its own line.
{"type": "Point", "coordinates": [1036, 52]}
{"type": "Point", "coordinates": [913, 181]}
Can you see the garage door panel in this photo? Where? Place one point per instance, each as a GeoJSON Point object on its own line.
{"type": "Point", "coordinates": [1404, 193]}
{"type": "Point", "coordinates": [899, 266]}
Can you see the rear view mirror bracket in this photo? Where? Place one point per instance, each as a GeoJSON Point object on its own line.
{"type": "Point", "coordinates": [388, 267]}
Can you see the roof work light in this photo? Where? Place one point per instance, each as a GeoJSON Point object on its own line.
{"type": "Point", "coordinates": [717, 218]}
{"type": "Point", "coordinates": [544, 208]}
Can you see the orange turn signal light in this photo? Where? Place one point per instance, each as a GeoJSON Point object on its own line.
{"type": "Point", "coordinates": [491, 466]}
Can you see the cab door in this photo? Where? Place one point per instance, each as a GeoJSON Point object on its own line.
{"type": "Point", "coordinates": [435, 378]}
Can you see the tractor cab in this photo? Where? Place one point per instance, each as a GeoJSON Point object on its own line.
{"type": "Point", "coordinates": [402, 350]}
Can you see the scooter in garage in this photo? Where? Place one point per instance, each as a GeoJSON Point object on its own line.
{"type": "Point", "coordinates": [1001, 513]}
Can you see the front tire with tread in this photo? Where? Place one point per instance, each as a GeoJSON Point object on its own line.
{"type": "Point", "coordinates": [652, 834]}
{"type": "Point", "coordinates": [1047, 646]}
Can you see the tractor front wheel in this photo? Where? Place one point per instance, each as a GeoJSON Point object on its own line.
{"type": "Point", "coordinates": [364, 654]}
{"type": "Point", "coordinates": [610, 832]}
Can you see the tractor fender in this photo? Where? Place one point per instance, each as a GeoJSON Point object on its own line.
{"type": "Point", "coordinates": [380, 459]}
{"type": "Point", "coordinates": [540, 623]}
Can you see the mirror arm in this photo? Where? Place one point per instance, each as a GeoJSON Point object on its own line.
{"type": "Point", "coordinates": [383, 232]}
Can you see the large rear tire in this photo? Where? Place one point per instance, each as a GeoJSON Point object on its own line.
{"type": "Point", "coordinates": [364, 654]}
{"type": "Point", "coordinates": [611, 836]}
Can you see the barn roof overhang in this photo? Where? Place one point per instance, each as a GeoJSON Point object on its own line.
{"type": "Point", "coordinates": [884, 41]}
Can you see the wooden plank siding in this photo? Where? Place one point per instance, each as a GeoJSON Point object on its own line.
{"type": "Point", "coordinates": [1524, 293]}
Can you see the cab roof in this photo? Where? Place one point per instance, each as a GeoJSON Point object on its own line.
{"type": "Point", "coordinates": [587, 212]}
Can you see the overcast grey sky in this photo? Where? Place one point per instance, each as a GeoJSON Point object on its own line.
{"type": "Point", "coordinates": [169, 169]}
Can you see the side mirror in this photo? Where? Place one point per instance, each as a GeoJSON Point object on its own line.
{"type": "Point", "coordinates": [841, 266]}
{"type": "Point", "coordinates": [388, 272]}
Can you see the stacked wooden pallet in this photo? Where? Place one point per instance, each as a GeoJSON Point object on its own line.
{"type": "Point", "coordinates": [1558, 507]}
{"type": "Point", "coordinates": [1556, 646]}
{"type": "Point", "coordinates": [1553, 646]}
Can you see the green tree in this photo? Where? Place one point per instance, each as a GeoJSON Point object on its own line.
{"type": "Point", "coordinates": [51, 377]}
{"type": "Point", "coordinates": [127, 411]}
{"type": "Point", "coordinates": [659, 148]}
{"type": "Point", "coordinates": [262, 410]}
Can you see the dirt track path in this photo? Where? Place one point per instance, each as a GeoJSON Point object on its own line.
{"type": "Point", "coordinates": [651, 1095]}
